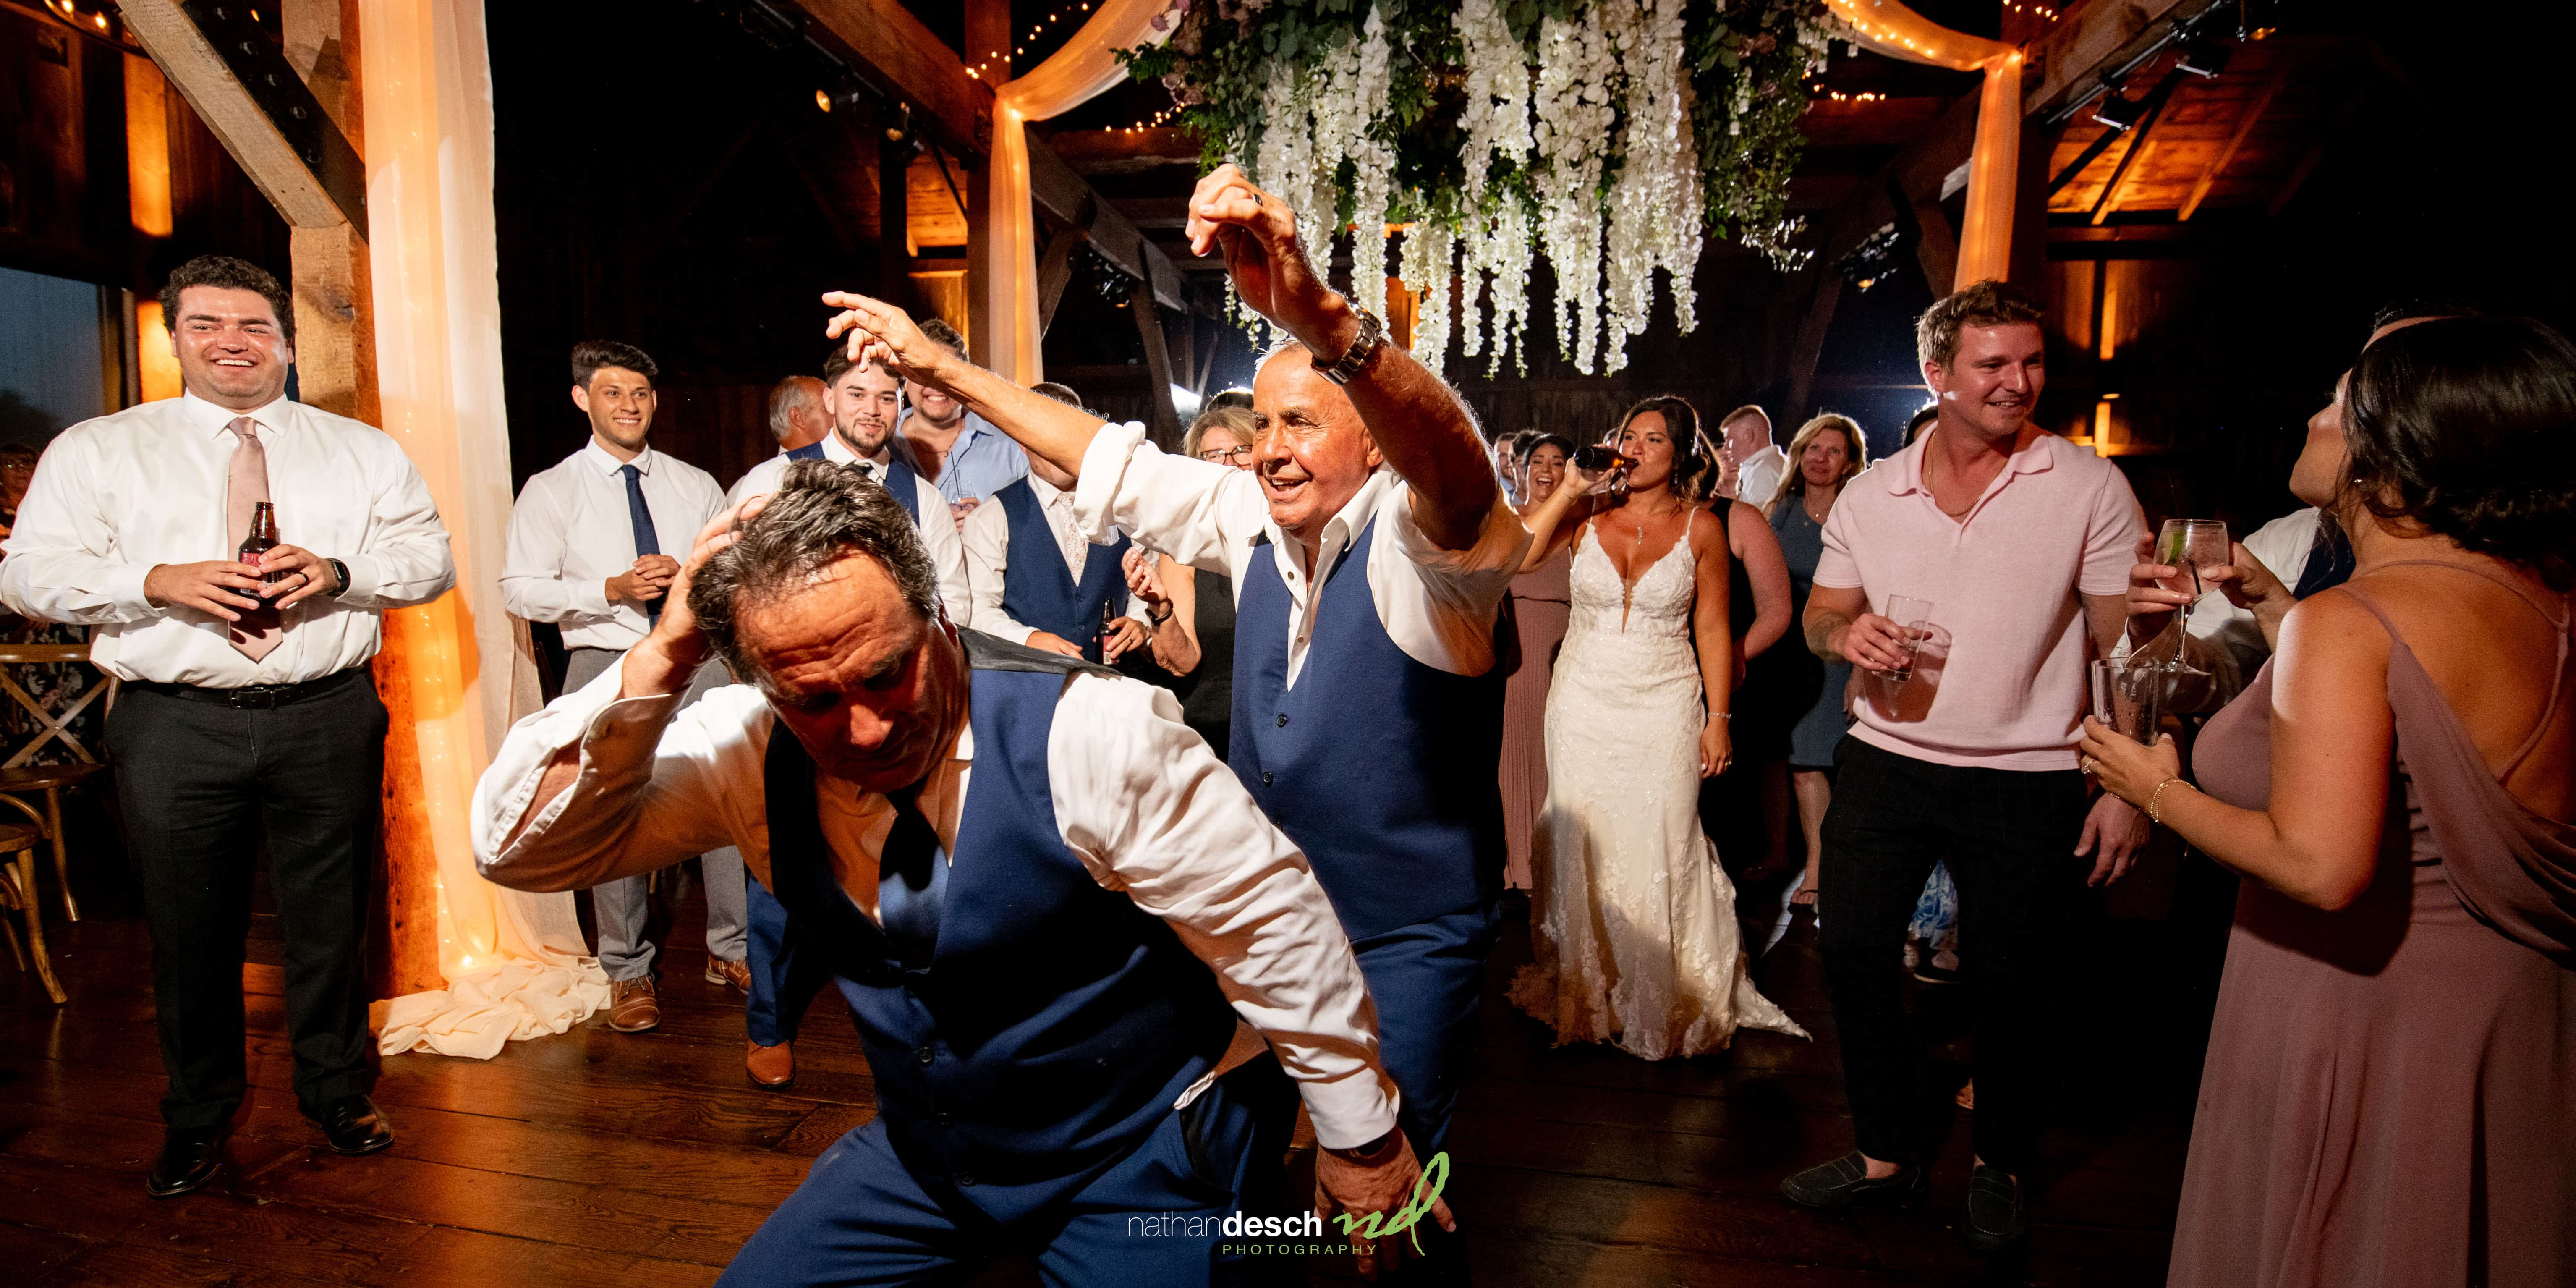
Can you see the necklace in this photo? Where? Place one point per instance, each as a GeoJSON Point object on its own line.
{"type": "Point", "coordinates": [1807, 502]}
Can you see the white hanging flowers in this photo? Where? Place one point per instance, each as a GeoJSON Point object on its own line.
{"type": "Point", "coordinates": [1574, 113]}
{"type": "Point", "coordinates": [1655, 207]}
{"type": "Point", "coordinates": [1423, 260]}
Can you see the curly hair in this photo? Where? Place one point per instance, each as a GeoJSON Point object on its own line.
{"type": "Point", "coordinates": [225, 273]}
{"type": "Point", "coordinates": [2461, 427]}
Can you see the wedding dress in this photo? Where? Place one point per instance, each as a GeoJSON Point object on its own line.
{"type": "Point", "coordinates": [1634, 921]}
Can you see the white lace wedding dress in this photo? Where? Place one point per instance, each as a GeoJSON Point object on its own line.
{"type": "Point", "coordinates": [1633, 919]}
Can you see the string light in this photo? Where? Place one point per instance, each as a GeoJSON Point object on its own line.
{"type": "Point", "coordinates": [996, 65]}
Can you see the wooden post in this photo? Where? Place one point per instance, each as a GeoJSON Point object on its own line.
{"type": "Point", "coordinates": [1055, 270]}
{"type": "Point", "coordinates": [1166, 428]}
{"type": "Point", "coordinates": [894, 220]}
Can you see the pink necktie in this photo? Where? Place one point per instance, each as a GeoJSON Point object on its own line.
{"type": "Point", "coordinates": [245, 486]}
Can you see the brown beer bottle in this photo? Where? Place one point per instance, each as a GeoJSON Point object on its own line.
{"type": "Point", "coordinates": [261, 540]}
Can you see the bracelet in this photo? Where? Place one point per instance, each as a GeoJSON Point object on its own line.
{"type": "Point", "coordinates": [1722, 715]}
{"type": "Point", "coordinates": [1158, 618]}
{"type": "Point", "coordinates": [2157, 794]}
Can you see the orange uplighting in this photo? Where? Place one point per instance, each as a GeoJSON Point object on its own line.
{"type": "Point", "coordinates": [152, 352]}
{"type": "Point", "coordinates": [147, 147]}
{"type": "Point", "coordinates": [2109, 338]}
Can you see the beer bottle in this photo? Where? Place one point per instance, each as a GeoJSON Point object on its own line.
{"type": "Point", "coordinates": [1599, 458]}
{"type": "Point", "coordinates": [261, 539]}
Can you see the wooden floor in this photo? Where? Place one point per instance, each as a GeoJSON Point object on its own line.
{"type": "Point", "coordinates": [596, 1158]}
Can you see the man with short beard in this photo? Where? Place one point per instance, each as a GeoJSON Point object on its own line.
{"type": "Point", "coordinates": [238, 728]}
{"type": "Point", "coordinates": [953, 447]}
{"type": "Point", "coordinates": [2021, 542]}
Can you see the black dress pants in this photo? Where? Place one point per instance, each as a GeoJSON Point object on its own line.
{"type": "Point", "coordinates": [199, 786]}
{"type": "Point", "coordinates": [2009, 836]}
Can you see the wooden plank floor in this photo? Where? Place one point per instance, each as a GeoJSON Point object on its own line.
{"type": "Point", "coordinates": [643, 1161]}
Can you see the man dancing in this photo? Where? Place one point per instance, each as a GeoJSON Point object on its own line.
{"type": "Point", "coordinates": [1037, 888]}
{"type": "Point", "coordinates": [1366, 708]}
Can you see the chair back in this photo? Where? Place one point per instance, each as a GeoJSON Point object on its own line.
{"type": "Point", "coordinates": [55, 721]}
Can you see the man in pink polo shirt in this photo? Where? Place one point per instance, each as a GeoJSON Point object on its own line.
{"type": "Point", "coordinates": [2021, 543]}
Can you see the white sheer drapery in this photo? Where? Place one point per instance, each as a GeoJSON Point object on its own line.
{"type": "Point", "coordinates": [1888, 27]}
{"type": "Point", "coordinates": [1078, 72]}
{"type": "Point", "coordinates": [515, 964]}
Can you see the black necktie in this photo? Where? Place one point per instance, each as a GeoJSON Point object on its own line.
{"type": "Point", "coordinates": [910, 882]}
{"type": "Point", "coordinates": [645, 542]}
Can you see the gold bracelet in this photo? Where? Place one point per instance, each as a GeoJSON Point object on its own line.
{"type": "Point", "coordinates": [2157, 794]}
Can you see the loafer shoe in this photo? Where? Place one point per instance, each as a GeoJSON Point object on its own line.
{"type": "Point", "coordinates": [736, 973]}
{"type": "Point", "coordinates": [772, 1067]}
{"type": "Point", "coordinates": [1998, 1218]}
{"type": "Point", "coordinates": [633, 1007]}
{"type": "Point", "coordinates": [1846, 1182]}
{"type": "Point", "coordinates": [352, 1125]}
{"type": "Point", "coordinates": [191, 1157]}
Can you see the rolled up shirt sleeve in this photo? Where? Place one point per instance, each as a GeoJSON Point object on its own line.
{"type": "Point", "coordinates": [1200, 513]}
{"type": "Point", "coordinates": [654, 788]}
{"type": "Point", "coordinates": [1152, 812]}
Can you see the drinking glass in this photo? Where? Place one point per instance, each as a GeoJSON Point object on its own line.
{"type": "Point", "coordinates": [1915, 616]}
{"type": "Point", "coordinates": [2198, 547]}
{"type": "Point", "coordinates": [2133, 695]}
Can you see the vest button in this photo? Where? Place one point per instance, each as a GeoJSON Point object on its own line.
{"type": "Point", "coordinates": [942, 1120]}
{"type": "Point", "coordinates": [965, 1179]}
{"type": "Point", "coordinates": [1265, 778]}
{"type": "Point", "coordinates": [1283, 720]}
{"type": "Point", "coordinates": [924, 1055]}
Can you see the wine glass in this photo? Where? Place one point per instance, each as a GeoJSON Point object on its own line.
{"type": "Point", "coordinates": [1915, 615]}
{"type": "Point", "coordinates": [2197, 546]}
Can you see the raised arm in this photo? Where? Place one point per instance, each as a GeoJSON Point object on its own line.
{"type": "Point", "coordinates": [880, 332]}
{"type": "Point", "coordinates": [1420, 426]}
{"type": "Point", "coordinates": [1554, 523]}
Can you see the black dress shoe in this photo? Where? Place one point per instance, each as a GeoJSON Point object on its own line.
{"type": "Point", "coordinates": [190, 1157]}
{"type": "Point", "coordinates": [1846, 1181]}
{"type": "Point", "coordinates": [353, 1125]}
{"type": "Point", "coordinates": [1998, 1211]}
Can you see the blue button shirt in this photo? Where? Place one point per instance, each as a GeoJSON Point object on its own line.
{"type": "Point", "coordinates": [981, 462]}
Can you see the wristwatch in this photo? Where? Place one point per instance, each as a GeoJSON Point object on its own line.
{"type": "Point", "coordinates": [1372, 334]}
{"type": "Point", "coordinates": [341, 571]}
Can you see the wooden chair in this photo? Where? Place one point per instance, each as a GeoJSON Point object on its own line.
{"type": "Point", "coordinates": [17, 777]}
{"type": "Point", "coordinates": [18, 892]}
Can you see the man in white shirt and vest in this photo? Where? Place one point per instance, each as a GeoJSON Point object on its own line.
{"type": "Point", "coordinates": [249, 713]}
{"type": "Point", "coordinates": [1079, 957]}
{"type": "Point", "coordinates": [1039, 579]}
{"type": "Point", "coordinates": [1370, 549]}
{"type": "Point", "coordinates": [863, 406]}
{"type": "Point", "coordinates": [593, 542]}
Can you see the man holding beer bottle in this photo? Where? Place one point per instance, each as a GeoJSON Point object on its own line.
{"type": "Point", "coordinates": [248, 714]}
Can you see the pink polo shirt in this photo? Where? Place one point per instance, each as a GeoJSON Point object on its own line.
{"type": "Point", "coordinates": [2000, 682]}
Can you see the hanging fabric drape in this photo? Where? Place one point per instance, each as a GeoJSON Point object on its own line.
{"type": "Point", "coordinates": [516, 965]}
{"type": "Point", "coordinates": [1888, 27]}
{"type": "Point", "coordinates": [1077, 73]}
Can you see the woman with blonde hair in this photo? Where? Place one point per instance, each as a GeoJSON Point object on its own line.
{"type": "Point", "coordinates": [1824, 455]}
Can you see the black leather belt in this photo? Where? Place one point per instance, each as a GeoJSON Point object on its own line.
{"type": "Point", "coordinates": [257, 697]}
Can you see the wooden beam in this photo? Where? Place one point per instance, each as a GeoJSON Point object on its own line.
{"type": "Point", "coordinates": [1068, 199]}
{"type": "Point", "coordinates": [1055, 270]}
{"type": "Point", "coordinates": [2109, 198]}
{"type": "Point", "coordinates": [2316, 152]}
{"type": "Point", "coordinates": [2067, 65]}
{"type": "Point", "coordinates": [2262, 103]}
{"type": "Point", "coordinates": [1810, 348]}
{"type": "Point", "coordinates": [887, 46]}
{"type": "Point", "coordinates": [894, 222]}
{"type": "Point", "coordinates": [1166, 427]}
{"type": "Point", "coordinates": [1935, 246]}
{"type": "Point", "coordinates": [1125, 151]}
{"type": "Point", "coordinates": [302, 164]}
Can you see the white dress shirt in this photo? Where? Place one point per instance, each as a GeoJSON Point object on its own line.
{"type": "Point", "coordinates": [1138, 798]}
{"type": "Point", "coordinates": [1759, 477]}
{"type": "Point", "coordinates": [572, 531]}
{"type": "Point", "coordinates": [1437, 605]}
{"type": "Point", "coordinates": [116, 496]}
{"type": "Point", "coordinates": [939, 538]}
{"type": "Point", "coordinates": [986, 538]}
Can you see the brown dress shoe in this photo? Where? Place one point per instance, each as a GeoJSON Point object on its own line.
{"type": "Point", "coordinates": [736, 972]}
{"type": "Point", "coordinates": [770, 1066]}
{"type": "Point", "coordinates": [632, 1007]}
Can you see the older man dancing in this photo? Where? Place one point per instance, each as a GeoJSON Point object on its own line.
{"type": "Point", "coordinates": [1037, 888]}
{"type": "Point", "coordinates": [1369, 549]}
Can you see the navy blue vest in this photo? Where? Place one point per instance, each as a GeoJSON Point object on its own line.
{"type": "Point", "coordinates": [1038, 590]}
{"type": "Point", "coordinates": [906, 485]}
{"type": "Point", "coordinates": [1056, 1022]}
{"type": "Point", "coordinates": [1380, 768]}
{"type": "Point", "coordinates": [812, 451]}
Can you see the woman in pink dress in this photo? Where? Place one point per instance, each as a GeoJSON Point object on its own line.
{"type": "Point", "coordinates": [1541, 599]}
{"type": "Point", "coordinates": [2390, 1094]}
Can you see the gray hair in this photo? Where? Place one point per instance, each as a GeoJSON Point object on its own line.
{"type": "Point", "coordinates": [822, 513]}
{"type": "Point", "coordinates": [790, 396]}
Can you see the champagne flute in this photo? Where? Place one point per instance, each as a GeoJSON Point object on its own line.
{"type": "Point", "coordinates": [1915, 615]}
{"type": "Point", "coordinates": [2198, 546]}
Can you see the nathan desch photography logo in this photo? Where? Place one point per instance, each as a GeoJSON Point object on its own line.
{"type": "Point", "coordinates": [1303, 1234]}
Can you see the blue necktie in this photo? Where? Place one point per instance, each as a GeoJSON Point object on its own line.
{"type": "Point", "coordinates": [911, 880]}
{"type": "Point", "coordinates": [645, 542]}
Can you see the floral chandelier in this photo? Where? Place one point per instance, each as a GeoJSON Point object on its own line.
{"type": "Point", "coordinates": [1608, 136]}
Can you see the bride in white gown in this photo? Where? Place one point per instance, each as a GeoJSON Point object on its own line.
{"type": "Point", "coordinates": [1633, 919]}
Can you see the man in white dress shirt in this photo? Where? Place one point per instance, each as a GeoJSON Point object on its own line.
{"type": "Point", "coordinates": [1072, 943]}
{"type": "Point", "coordinates": [1370, 548]}
{"type": "Point", "coordinates": [591, 550]}
{"type": "Point", "coordinates": [1034, 605]}
{"type": "Point", "coordinates": [232, 729]}
{"type": "Point", "coordinates": [1755, 465]}
{"type": "Point", "coordinates": [797, 417]}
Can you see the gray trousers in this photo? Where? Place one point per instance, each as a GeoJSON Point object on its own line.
{"type": "Point", "coordinates": [621, 905]}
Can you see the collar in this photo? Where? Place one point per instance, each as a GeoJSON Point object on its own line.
{"type": "Point", "coordinates": [836, 451]}
{"type": "Point", "coordinates": [1344, 527]}
{"type": "Point", "coordinates": [213, 419]}
{"type": "Point", "coordinates": [1048, 494]}
{"type": "Point", "coordinates": [2037, 457]}
{"type": "Point", "coordinates": [601, 459]}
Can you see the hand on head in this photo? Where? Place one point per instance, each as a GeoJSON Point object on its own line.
{"type": "Point", "coordinates": [879, 332]}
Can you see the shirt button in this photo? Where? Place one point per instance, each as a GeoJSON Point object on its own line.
{"type": "Point", "coordinates": [964, 1178]}
{"type": "Point", "coordinates": [1283, 720]}
{"type": "Point", "coordinates": [1265, 778]}
{"type": "Point", "coordinates": [924, 1055]}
